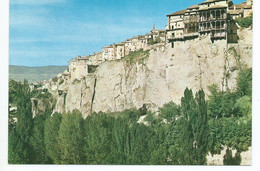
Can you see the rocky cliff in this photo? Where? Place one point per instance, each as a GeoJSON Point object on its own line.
{"type": "Point", "coordinates": [156, 79]}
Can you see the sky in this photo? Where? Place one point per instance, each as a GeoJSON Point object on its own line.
{"type": "Point", "coordinates": [51, 32]}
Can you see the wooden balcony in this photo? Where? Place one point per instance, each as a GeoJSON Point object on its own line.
{"type": "Point", "coordinates": [195, 34]}
{"type": "Point", "coordinates": [175, 37]}
{"type": "Point", "coordinates": [214, 35]}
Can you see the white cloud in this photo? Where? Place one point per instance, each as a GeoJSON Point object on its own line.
{"type": "Point", "coordinates": [62, 38]}
{"type": "Point", "coordinates": [25, 20]}
{"type": "Point", "coordinates": [35, 2]}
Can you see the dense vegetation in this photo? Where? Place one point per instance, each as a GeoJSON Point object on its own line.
{"type": "Point", "coordinates": [34, 74]}
{"type": "Point", "coordinates": [245, 22]}
{"type": "Point", "coordinates": [179, 134]}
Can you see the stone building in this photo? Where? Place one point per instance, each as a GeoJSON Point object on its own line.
{"type": "Point", "coordinates": [96, 58]}
{"type": "Point", "coordinates": [242, 10]}
{"type": "Point", "coordinates": [175, 27]}
{"type": "Point", "coordinates": [212, 17]}
{"type": "Point", "coordinates": [78, 67]}
{"type": "Point", "coordinates": [155, 36]}
{"type": "Point", "coordinates": [109, 52]}
{"type": "Point", "coordinates": [120, 50]}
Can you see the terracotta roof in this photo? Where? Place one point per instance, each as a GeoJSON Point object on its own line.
{"type": "Point", "coordinates": [217, 6]}
{"type": "Point", "coordinates": [182, 12]}
{"type": "Point", "coordinates": [209, 1]}
{"type": "Point", "coordinates": [193, 7]}
{"type": "Point", "coordinates": [212, 7]}
{"type": "Point", "coordinates": [240, 6]}
{"type": "Point", "coordinates": [120, 44]}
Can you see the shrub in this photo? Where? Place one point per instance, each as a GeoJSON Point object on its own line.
{"type": "Point", "coordinates": [245, 22]}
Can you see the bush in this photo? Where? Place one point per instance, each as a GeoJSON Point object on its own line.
{"type": "Point", "coordinates": [245, 22]}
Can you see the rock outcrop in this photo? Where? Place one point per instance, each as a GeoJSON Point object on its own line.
{"type": "Point", "coordinates": [158, 79]}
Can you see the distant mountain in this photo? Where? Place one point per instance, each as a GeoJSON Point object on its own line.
{"type": "Point", "coordinates": [34, 74]}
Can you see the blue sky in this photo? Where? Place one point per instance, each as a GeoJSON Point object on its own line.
{"type": "Point", "coordinates": [51, 32]}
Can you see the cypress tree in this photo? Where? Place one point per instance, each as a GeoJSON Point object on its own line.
{"type": "Point", "coordinates": [71, 138]}
{"type": "Point", "coordinates": [21, 134]}
{"type": "Point", "coordinates": [195, 128]}
{"type": "Point", "coordinates": [51, 133]}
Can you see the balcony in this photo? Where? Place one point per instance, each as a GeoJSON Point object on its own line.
{"type": "Point", "coordinates": [217, 35]}
{"type": "Point", "coordinates": [191, 20]}
{"type": "Point", "coordinates": [191, 34]}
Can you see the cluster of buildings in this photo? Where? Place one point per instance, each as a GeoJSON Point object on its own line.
{"type": "Point", "coordinates": [81, 66]}
{"type": "Point", "coordinates": [215, 18]}
{"type": "Point", "coordinates": [212, 17]}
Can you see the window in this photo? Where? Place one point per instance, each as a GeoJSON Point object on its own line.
{"type": "Point", "coordinates": [172, 44]}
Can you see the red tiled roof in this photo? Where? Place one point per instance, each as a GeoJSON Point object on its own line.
{"type": "Point", "coordinates": [182, 12]}
{"type": "Point", "coordinates": [240, 6]}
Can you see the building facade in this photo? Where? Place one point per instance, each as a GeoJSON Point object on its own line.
{"type": "Point", "coordinates": [212, 17]}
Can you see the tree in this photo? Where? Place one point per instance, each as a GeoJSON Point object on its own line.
{"type": "Point", "coordinates": [170, 112]}
{"type": "Point", "coordinates": [230, 160]}
{"type": "Point", "coordinates": [22, 130]}
{"type": "Point", "coordinates": [244, 82]}
{"type": "Point", "coordinates": [71, 138]}
{"type": "Point", "coordinates": [245, 22]}
{"type": "Point", "coordinates": [51, 133]}
{"type": "Point", "coordinates": [37, 140]}
{"type": "Point", "coordinates": [195, 128]}
{"type": "Point", "coordinates": [99, 148]}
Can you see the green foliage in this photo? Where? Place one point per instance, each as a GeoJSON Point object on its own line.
{"type": "Point", "coordinates": [71, 138]}
{"type": "Point", "coordinates": [170, 112]}
{"type": "Point", "coordinates": [230, 160]}
{"type": "Point", "coordinates": [54, 79]}
{"type": "Point", "coordinates": [245, 22]}
{"type": "Point", "coordinates": [235, 133]}
{"type": "Point", "coordinates": [221, 104]}
{"type": "Point", "coordinates": [51, 133]}
{"type": "Point", "coordinates": [136, 56]}
{"type": "Point", "coordinates": [177, 134]}
{"type": "Point", "coordinates": [152, 41]}
{"type": "Point", "coordinates": [61, 82]}
{"type": "Point", "coordinates": [244, 82]}
{"type": "Point", "coordinates": [195, 128]}
{"type": "Point", "coordinates": [37, 140]}
{"type": "Point", "coordinates": [98, 147]}
{"type": "Point", "coordinates": [20, 131]}
{"type": "Point", "coordinates": [243, 106]}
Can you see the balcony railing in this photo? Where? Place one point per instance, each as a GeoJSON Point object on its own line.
{"type": "Point", "coordinates": [171, 37]}
{"type": "Point", "coordinates": [191, 34]}
{"type": "Point", "coordinates": [218, 35]}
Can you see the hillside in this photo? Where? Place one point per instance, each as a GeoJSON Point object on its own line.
{"type": "Point", "coordinates": [34, 74]}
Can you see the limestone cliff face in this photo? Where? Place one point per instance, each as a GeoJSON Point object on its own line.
{"type": "Point", "coordinates": [159, 79]}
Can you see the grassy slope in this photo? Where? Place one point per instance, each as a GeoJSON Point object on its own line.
{"type": "Point", "coordinates": [34, 74]}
